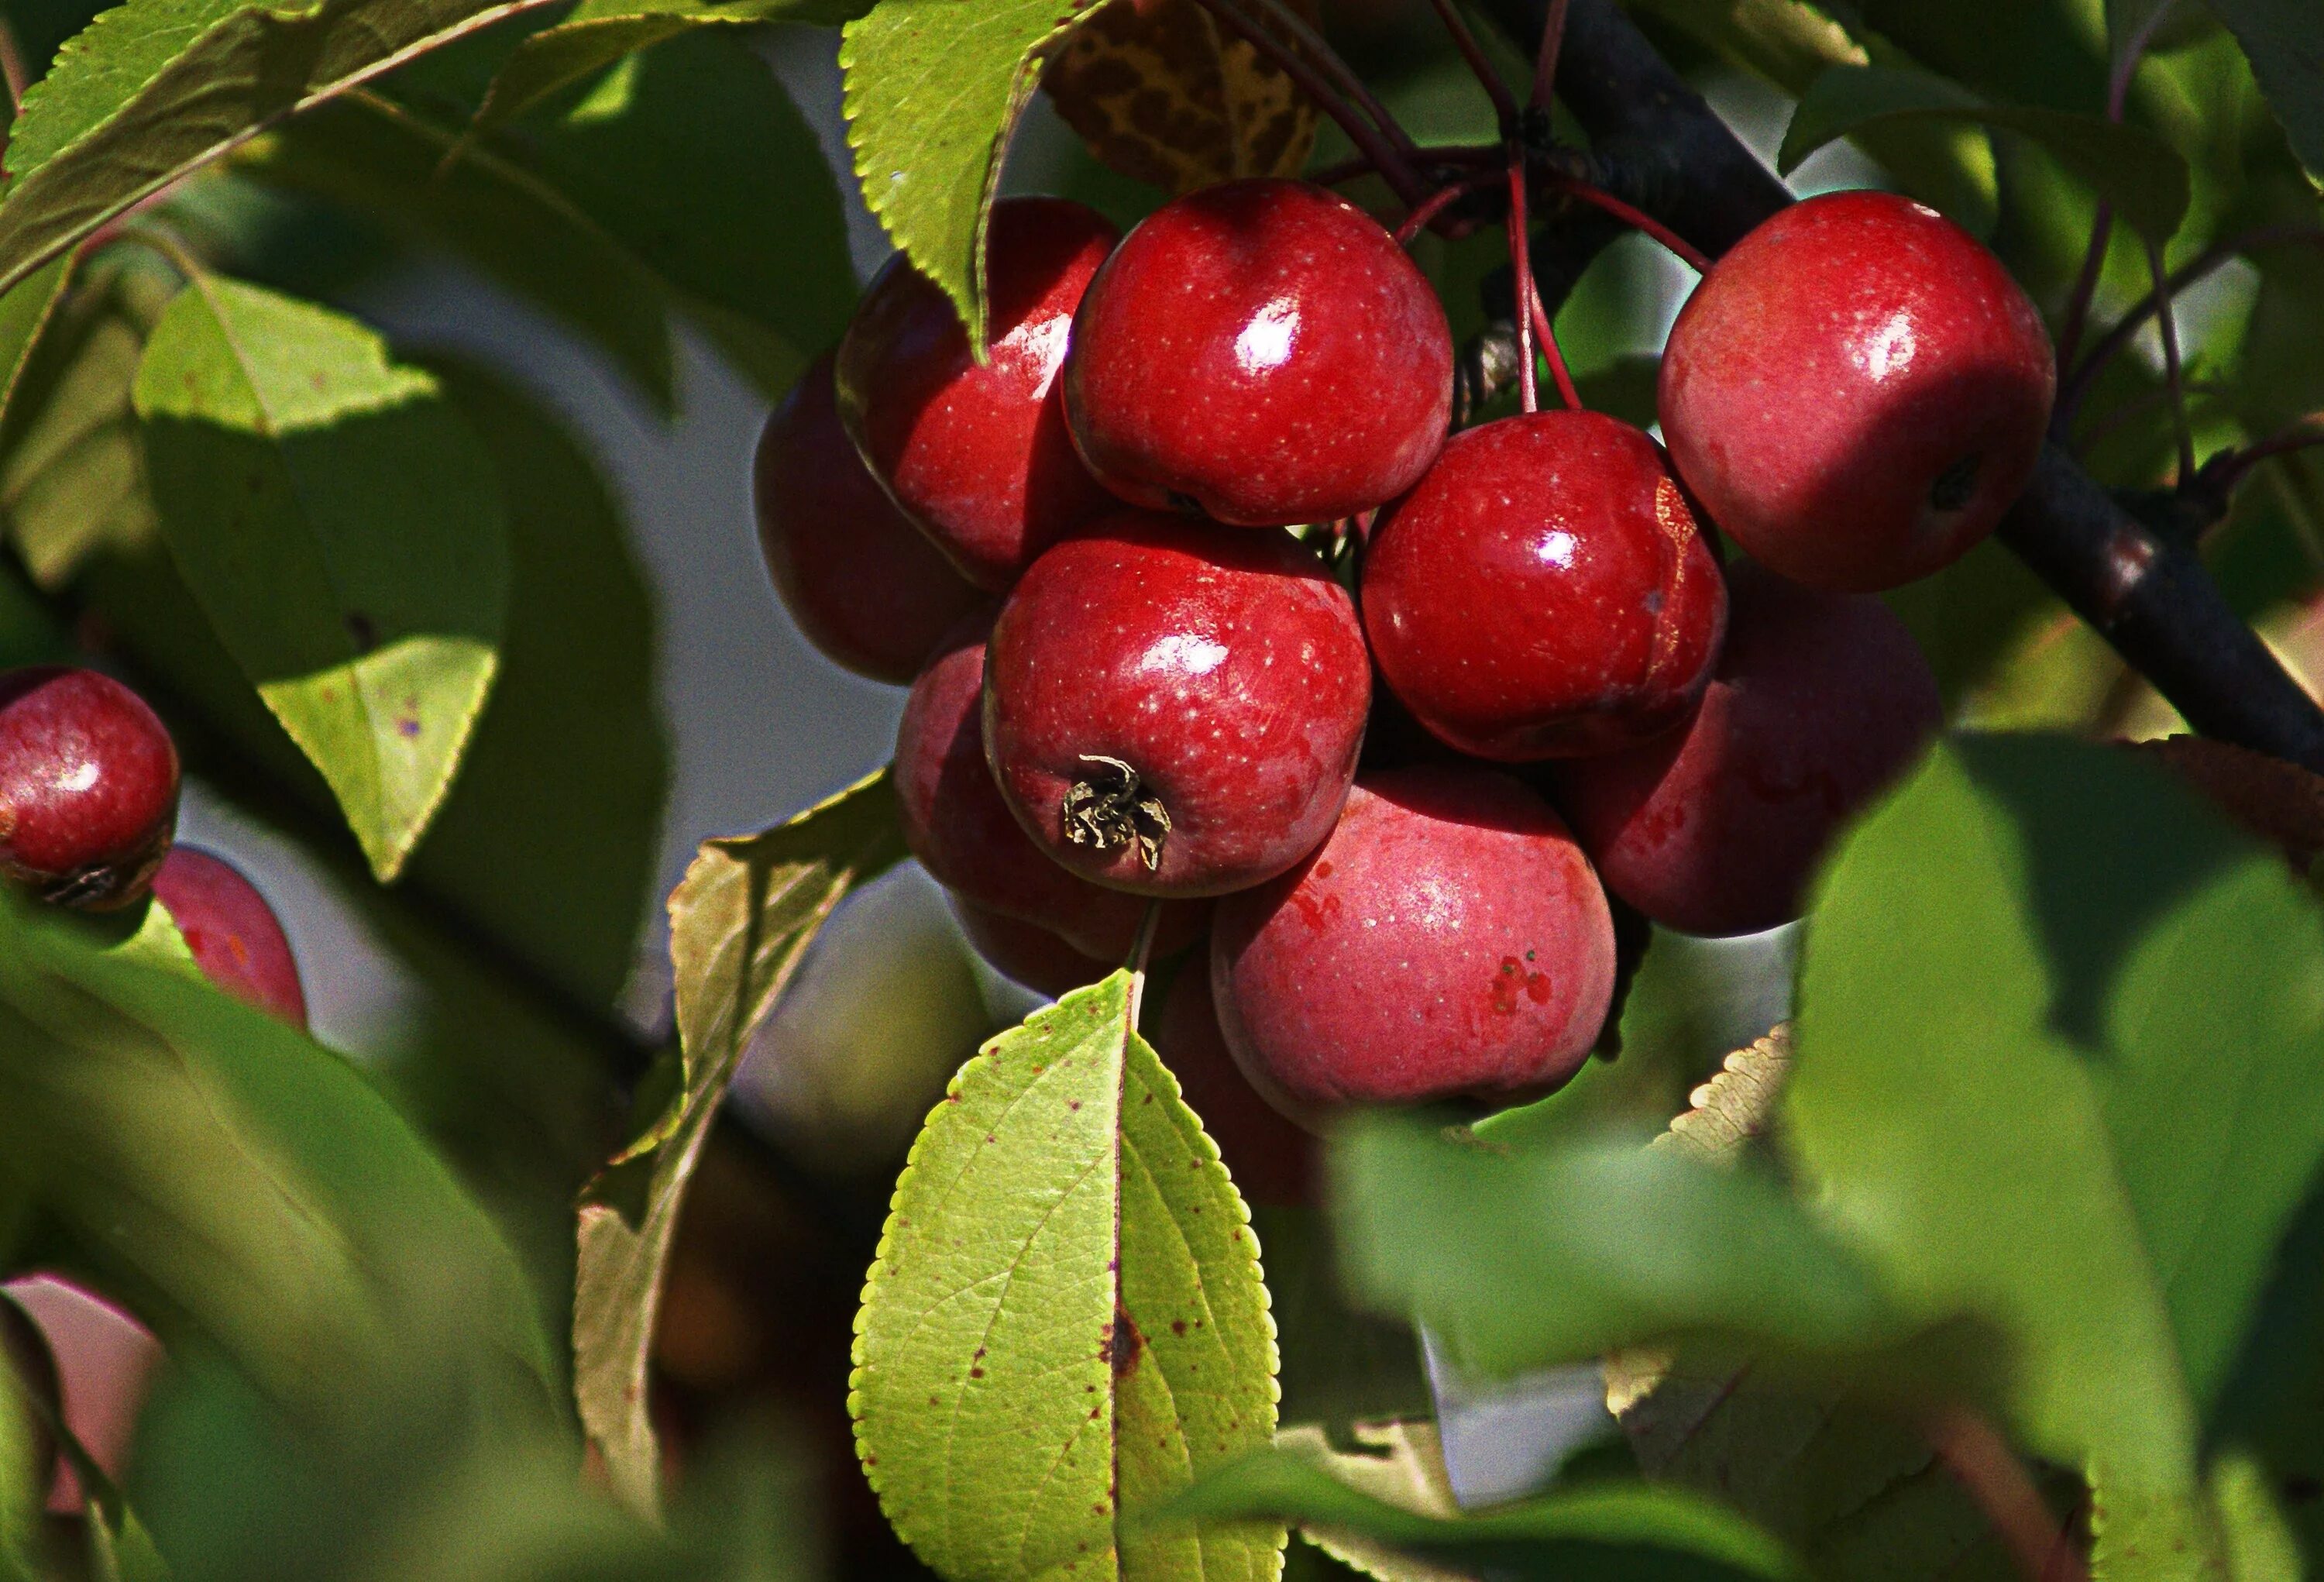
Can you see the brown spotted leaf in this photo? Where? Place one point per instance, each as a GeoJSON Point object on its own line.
{"type": "Point", "coordinates": [1164, 94]}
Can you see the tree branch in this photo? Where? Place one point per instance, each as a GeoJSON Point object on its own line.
{"type": "Point", "coordinates": [2149, 595]}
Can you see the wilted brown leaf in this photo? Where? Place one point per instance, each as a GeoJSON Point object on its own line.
{"type": "Point", "coordinates": [1162, 93]}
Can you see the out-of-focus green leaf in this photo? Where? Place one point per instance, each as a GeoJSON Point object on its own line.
{"type": "Point", "coordinates": [1608, 1530]}
{"type": "Point", "coordinates": [551, 836]}
{"type": "Point", "coordinates": [1066, 1325]}
{"type": "Point", "coordinates": [934, 89]}
{"type": "Point", "coordinates": [1639, 1243]}
{"type": "Point", "coordinates": [240, 1185]}
{"type": "Point", "coordinates": [342, 530]}
{"type": "Point", "coordinates": [2111, 1005]}
{"type": "Point", "coordinates": [2279, 38]}
{"type": "Point", "coordinates": [740, 923]}
{"type": "Point", "coordinates": [371, 154]}
{"type": "Point", "coordinates": [2142, 177]}
{"type": "Point", "coordinates": [155, 89]}
{"type": "Point", "coordinates": [25, 312]}
{"type": "Point", "coordinates": [72, 469]}
{"type": "Point", "coordinates": [597, 33]}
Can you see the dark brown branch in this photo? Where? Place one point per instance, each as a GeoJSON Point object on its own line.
{"type": "Point", "coordinates": [2147, 594]}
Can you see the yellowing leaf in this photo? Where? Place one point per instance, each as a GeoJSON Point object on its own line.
{"type": "Point", "coordinates": [1162, 93]}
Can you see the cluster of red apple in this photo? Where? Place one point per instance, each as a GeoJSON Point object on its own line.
{"type": "Point", "coordinates": [88, 819]}
{"type": "Point", "coordinates": [1115, 560]}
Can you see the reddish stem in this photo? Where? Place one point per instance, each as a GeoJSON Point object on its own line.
{"type": "Point", "coordinates": [1992, 1475]}
{"type": "Point", "coordinates": [2225, 471]}
{"type": "Point", "coordinates": [1521, 263]}
{"type": "Point", "coordinates": [1426, 210]}
{"type": "Point", "coordinates": [2172, 381]}
{"type": "Point", "coordinates": [1547, 335]}
{"type": "Point", "coordinates": [1545, 70]}
{"type": "Point", "coordinates": [1686, 252]}
{"type": "Point", "coordinates": [2086, 283]}
{"type": "Point", "coordinates": [1505, 103]}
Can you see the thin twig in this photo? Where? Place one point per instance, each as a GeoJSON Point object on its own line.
{"type": "Point", "coordinates": [1505, 103]}
{"type": "Point", "coordinates": [1521, 265]}
{"type": "Point", "coordinates": [11, 69]}
{"type": "Point", "coordinates": [1383, 145]}
{"type": "Point", "coordinates": [1685, 252]}
{"type": "Point", "coordinates": [1545, 70]}
{"type": "Point", "coordinates": [2075, 387]}
{"type": "Point", "coordinates": [1992, 1475]}
{"type": "Point", "coordinates": [2169, 321]}
{"type": "Point", "coordinates": [2086, 283]}
{"type": "Point", "coordinates": [2219, 477]}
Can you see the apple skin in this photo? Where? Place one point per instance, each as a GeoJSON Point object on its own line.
{"type": "Point", "coordinates": [235, 935]}
{"type": "Point", "coordinates": [1027, 953]}
{"type": "Point", "coordinates": [1857, 392]}
{"type": "Point", "coordinates": [1224, 668]}
{"type": "Point", "coordinates": [1545, 592]}
{"type": "Point", "coordinates": [862, 583]}
{"type": "Point", "coordinates": [1272, 1160]}
{"type": "Point", "coordinates": [1822, 701]}
{"type": "Point", "coordinates": [1450, 941]}
{"type": "Point", "coordinates": [1263, 350]}
{"type": "Point", "coordinates": [979, 456]}
{"type": "Point", "coordinates": [956, 823]}
{"type": "Point", "coordinates": [88, 788]}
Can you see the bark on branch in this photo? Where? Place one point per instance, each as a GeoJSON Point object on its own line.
{"type": "Point", "coordinates": [2145, 591]}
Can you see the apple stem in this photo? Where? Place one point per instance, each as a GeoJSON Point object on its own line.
{"type": "Point", "coordinates": [1545, 70]}
{"type": "Point", "coordinates": [1679, 247]}
{"type": "Point", "coordinates": [1521, 265]}
{"type": "Point", "coordinates": [1140, 948]}
{"type": "Point", "coordinates": [1992, 1475]}
{"type": "Point", "coordinates": [2086, 283]}
{"type": "Point", "coordinates": [1340, 95]}
{"type": "Point", "coordinates": [1548, 336]}
{"type": "Point", "coordinates": [2216, 479]}
{"type": "Point", "coordinates": [1505, 103]}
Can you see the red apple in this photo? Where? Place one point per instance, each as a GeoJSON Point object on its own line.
{"type": "Point", "coordinates": [235, 935]}
{"type": "Point", "coordinates": [978, 455]}
{"type": "Point", "coordinates": [88, 788]}
{"type": "Point", "coordinates": [1857, 392]}
{"type": "Point", "coordinates": [864, 585]}
{"type": "Point", "coordinates": [1262, 350]}
{"type": "Point", "coordinates": [1546, 591]}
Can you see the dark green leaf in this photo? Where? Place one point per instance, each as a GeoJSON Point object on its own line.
{"type": "Point", "coordinates": [934, 89]}
{"type": "Point", "coordinates": [2142, 177]}
{"type": "Point", "coordinates": [598, 32]}
{"type": "Point", "coordinates": [344, 532]}
{"type": "Point", "coordinates": [2280, 37]}
{"type": "Point", "coordinates": [1602, 1529]}
{"type": "Point", "coordinates": [740, 923]}
{"type": "Point", "coordinates": [155, 89]}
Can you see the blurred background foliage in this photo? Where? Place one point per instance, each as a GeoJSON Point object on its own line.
{"type": "Point", "coordinates": [682, 208]}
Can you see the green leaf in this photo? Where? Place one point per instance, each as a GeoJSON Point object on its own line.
{"type": "Point", "coordinates": [1611, 1529]}
{"type": "Point", "coordinates": [934, 88]}
{"type": "Point", "coordinates": [2111, 1005]}
{"type": "Point", "coordinates": [2142, 177]}
{"type": "Point", "coordinates": [577, 704]}
{"type": "Point", "coordinates": [155, 89]}
{"type": "Point", "coordinates": [73, 470]}
{"type": "Point", "coordinates": [240, 1186]}
{"type": "Point", "coordinates": [371, 153]}
{"type": "Point", "coordinates": [695, 157]}
{"type": "Point", "coordinates": [1639, 1245]}
{"type": "Point", "coordinates": [740, 923]}
{"type": "Point", "coordinates": [598, 32]}
{"type": "Point", "coordinates": [1066, 1323]}
{"type": "Point", "coordinates": [2279, 39]}
{"type": "Point", "coordinates": [25, 312]}
{"type": "Point", "coordinates": [343, 531]}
